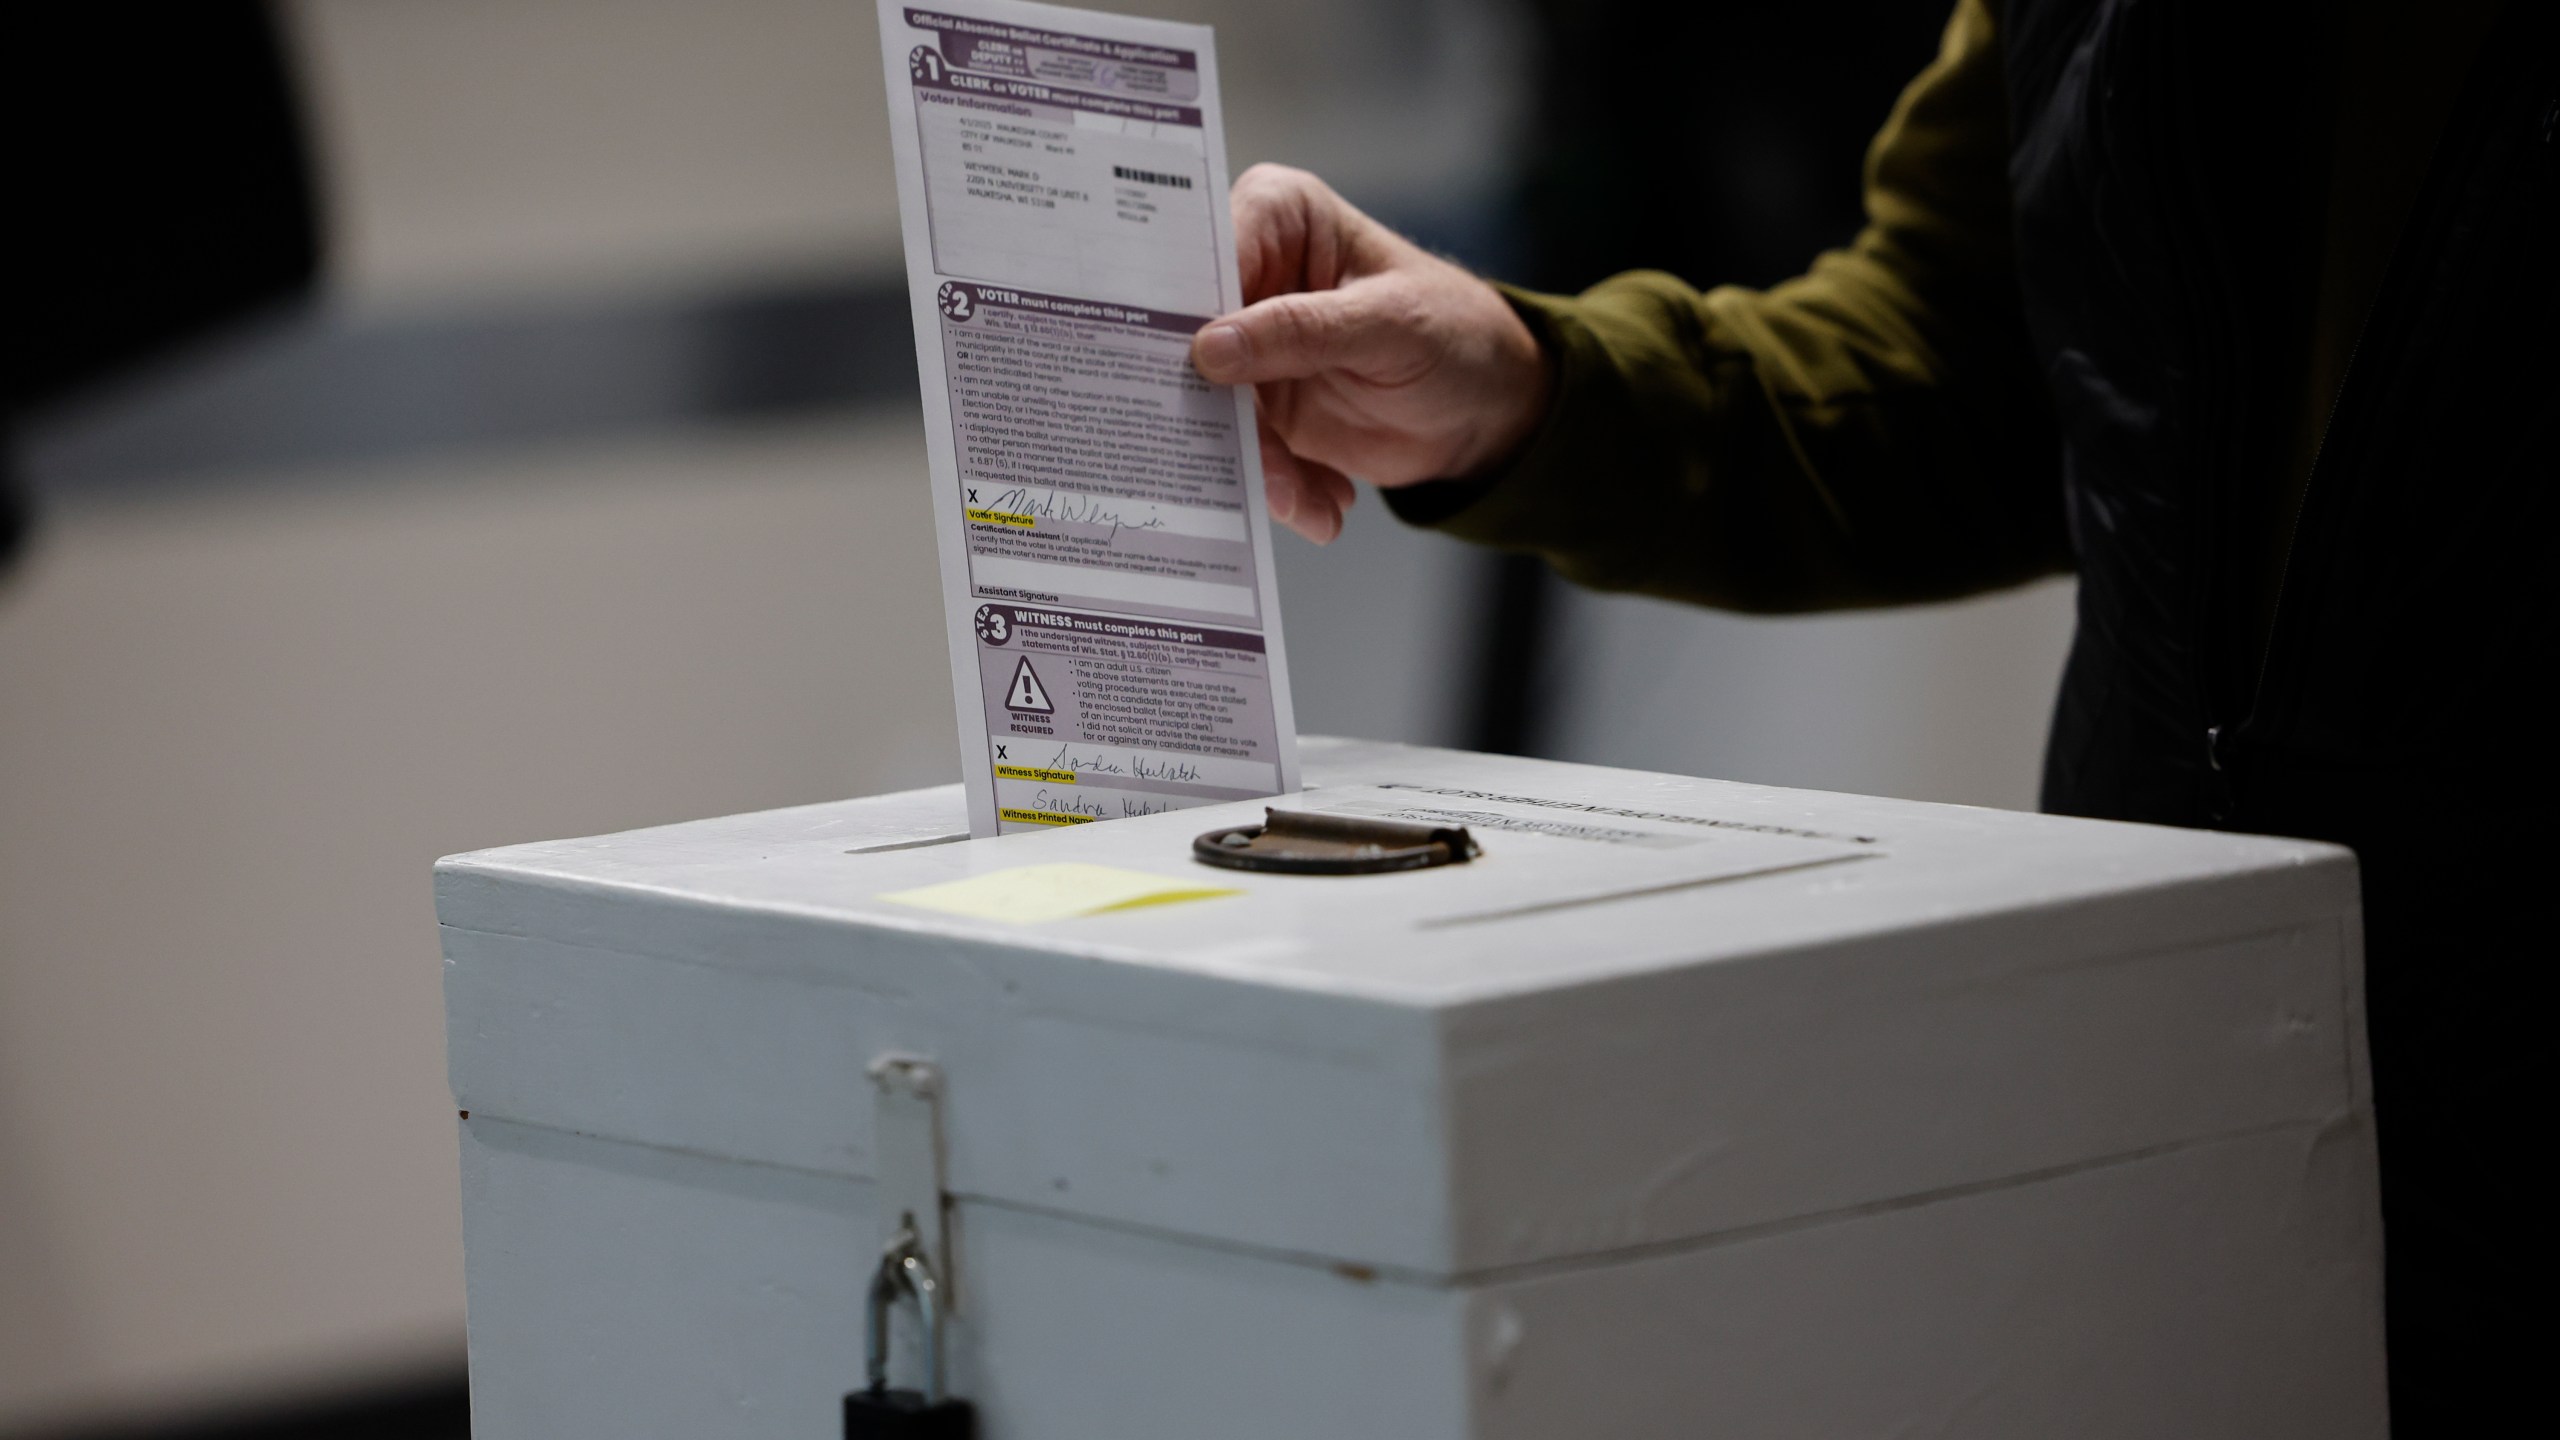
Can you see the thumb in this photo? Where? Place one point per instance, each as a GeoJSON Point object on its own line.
{"type": "Point", "coordinates": [1290, 337]}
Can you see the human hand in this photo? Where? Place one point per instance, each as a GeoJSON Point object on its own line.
{"type": "Point", "coordinates": [1368, 355]}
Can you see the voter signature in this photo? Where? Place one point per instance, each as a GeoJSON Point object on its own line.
{"type": "Point", "coordinates": [1068, 507]}
{"type": "Point", "coordinates": [1134, 763]}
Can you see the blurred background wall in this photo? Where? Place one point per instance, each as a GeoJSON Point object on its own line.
{"type": "Point", "coordinates": [584, 490]}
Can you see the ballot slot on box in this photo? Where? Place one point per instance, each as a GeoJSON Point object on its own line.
{"type": "Point", "coordinates": [1672, 1108]}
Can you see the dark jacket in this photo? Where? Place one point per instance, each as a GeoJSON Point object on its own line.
{"type": "Point", "coordinates": [2246, 313]}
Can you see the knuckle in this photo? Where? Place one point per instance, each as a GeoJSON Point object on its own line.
{"type": "Point", "coordinates": [1268, 175]}
{"type": "Point", "coordinates": [1296, 322]}
{"type": "Point", "coordinates": [1267, 187]}
{"type": "Point", "coordinates": [1403, 307]}
{"type": "Point", "coordinates": [1403, 322]}
{"type": "Point", "coordinates": [1309, 321]}
{"type": "Point", "coordinates": [1281, 189]}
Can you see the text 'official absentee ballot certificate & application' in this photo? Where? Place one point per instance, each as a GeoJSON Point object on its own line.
{"type": "Point", "coordinates": [1106, 561]}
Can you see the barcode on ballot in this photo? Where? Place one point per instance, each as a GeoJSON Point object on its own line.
{"type": "Point", "coordinates": [1152, 177]}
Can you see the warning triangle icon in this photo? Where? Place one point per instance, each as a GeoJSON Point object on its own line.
{"type": "Point", "coordinates": [1025, 692]}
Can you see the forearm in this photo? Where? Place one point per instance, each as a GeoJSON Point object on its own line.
{"type": "Point", "coordinates": [1871, 432]}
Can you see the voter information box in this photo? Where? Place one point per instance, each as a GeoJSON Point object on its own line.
{"type": "Point", "coordinates": [1683, 1109]}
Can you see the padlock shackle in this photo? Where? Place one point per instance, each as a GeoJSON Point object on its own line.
{"type": "Point", "coordinates": [921, 1283]}
{"type": "Point", "coordinates": [903, 1271]}
{"type": "Point", "coordinates": [885, 1284]}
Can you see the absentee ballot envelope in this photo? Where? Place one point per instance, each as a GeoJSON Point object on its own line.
{"type": "Point", "coordinates": [1106, 560]}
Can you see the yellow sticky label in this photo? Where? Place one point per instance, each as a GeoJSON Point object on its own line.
{"type": "Point", "coordinates": [1043, 817]}
{"type": "Point", "coordinates": [1002, 517]}
{"type": "Point", "coordinates": [1033, 894]}
{"type": "Point", "coordinates": [1026, 772]}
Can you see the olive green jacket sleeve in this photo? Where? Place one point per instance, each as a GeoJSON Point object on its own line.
{"type": "Point", "coordinates": [1870, 432]}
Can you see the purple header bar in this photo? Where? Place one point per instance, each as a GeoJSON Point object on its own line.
{"type": "Point", "coordinates": [1032, 92]}
{"type": "Point", "coordinates": [1168, 632]}
{"type": "Point", "coordinates": [1127, 50]}
{"type": "Point", "coordinates": [958, 299]}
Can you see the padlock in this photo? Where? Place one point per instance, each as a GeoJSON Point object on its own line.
{"type": "Point", "coordinates": [877, 1412]}
{"type": "Point", "coordinates": [886, 1414]}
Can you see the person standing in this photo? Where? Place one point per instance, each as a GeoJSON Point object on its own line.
{"type": "Point", "coordinates": [2244, 315]}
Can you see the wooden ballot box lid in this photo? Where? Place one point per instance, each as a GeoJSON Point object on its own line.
{"type": "Point", "coordinates": [1653, 1008]}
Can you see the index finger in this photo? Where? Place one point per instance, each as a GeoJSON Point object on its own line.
{"type": "Point", "coordinates": [1289, 231]}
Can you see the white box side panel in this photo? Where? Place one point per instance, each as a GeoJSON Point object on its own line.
{"type": "Point", "coordinates": [1682, 1103]}
{"type": "Point", "coordinates": [2223, 1291]}
{"type": "Point", "coordinates": [621, 1290]}
{"type": "Point", "coordinates": [2214, 1291]}
{"type": "Point", "coordinates": [1315, 1127]}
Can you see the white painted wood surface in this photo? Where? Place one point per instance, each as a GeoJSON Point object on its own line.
{"type": "Point", "coordinates": [1959, 1118]}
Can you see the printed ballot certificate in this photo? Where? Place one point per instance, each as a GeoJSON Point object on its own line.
{"type": "Point", "coordinates": [1106, 560]}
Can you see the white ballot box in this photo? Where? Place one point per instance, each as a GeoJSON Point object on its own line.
{"type": "Point", "coordinates": [1685, 1109]}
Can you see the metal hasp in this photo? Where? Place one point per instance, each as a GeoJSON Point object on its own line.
{"type": "Point", "coordinates": [914, 1262]}
{"type": "Point", "coordinates": [906, 1142]}
{"type": "Point", "coordinates": [1304, 842]}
